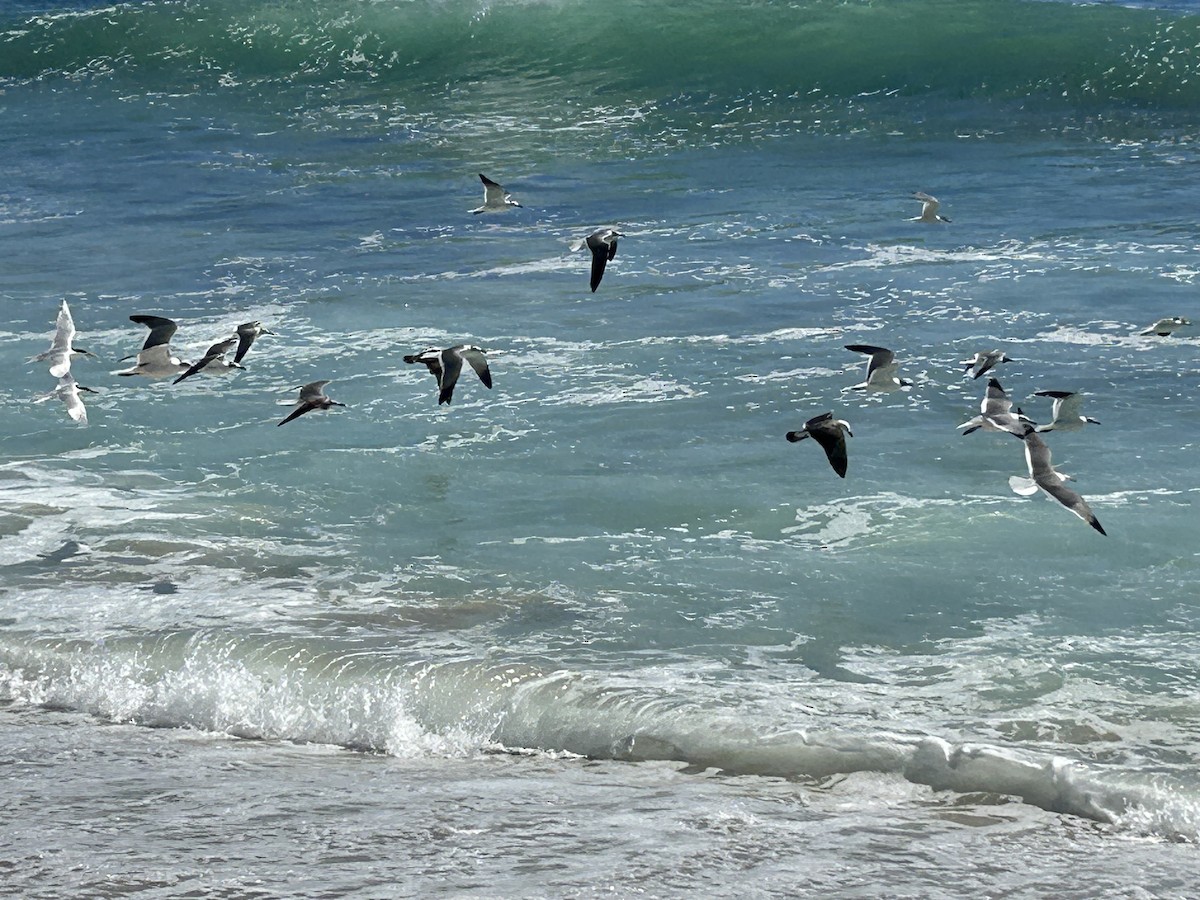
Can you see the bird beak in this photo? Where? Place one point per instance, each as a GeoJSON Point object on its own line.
{"type": "Point", "coordinates": [88, 389]}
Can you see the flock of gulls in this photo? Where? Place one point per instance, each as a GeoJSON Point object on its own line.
{"type": "Point", "coordinates": [157, 360]}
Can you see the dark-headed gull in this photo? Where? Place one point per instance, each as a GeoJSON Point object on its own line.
{"type": "Point", "coordinates": [447, 364]}
{"type": "Point", "coordinates": [830, 433]}
{"type": "Point", "coordinates": [312, 396]}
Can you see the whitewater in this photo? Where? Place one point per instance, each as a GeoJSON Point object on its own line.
{"type": "Point", "coordinates": [599, 629]}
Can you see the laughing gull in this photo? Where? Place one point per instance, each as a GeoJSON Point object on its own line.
{"type": "Point", "coordinates": [312, 396]}
{"type": "Point", "coordinates": [1066, 415]}
{"type": "Point", "coordinates": [62, 345]}
{"type": "Point", "coordinates": [984, 361]}
{"type": "Point", "coordinates": [1163, 327]}
{"type": "Point", "coordinates": [929, 209]}
{"type": "Point", "coordinates": [155, 359]}
{"type": "Point", "coordinates": [247, 332]}
{"type": "Point", "coordinates": [495, 198]}
{"type": "Point", "coordinates": [68, 392]}
{"type": "Point", "coordinates": [213, 361]}
{"type": "Point", "coordinates": [881, 369]}
{"type": "Point", "coordinates": [1043, 475]}
{"type": "Point", "coordinates": [830, 433]}
{"type": "Point", "coordinates": [603, 244]}
{"type": "Point", "coordinates": [995, 413]}
{"type": "Point", "coordinates": [445, 365]}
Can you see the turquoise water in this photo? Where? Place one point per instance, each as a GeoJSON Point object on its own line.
{"type": "Point", "coordinates": [599, 628]}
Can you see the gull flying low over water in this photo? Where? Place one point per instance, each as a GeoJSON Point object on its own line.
{"type": "Point", "coordinates": [495, 198]}
{"type": "Point", "coordinates": [68, 392]}
{"type": "Point", "coordinates": [213, 361]}
{"type": "Point", "coordinates": [1164, 327]}
{"type": "Point", "coordinates": [1043, 475]}
{"type": "Point", "coordinates": [62, 345]}
{"type": "Point", "coordinates": [312, 396]}
{"type": "Point", "coordinates": [1066, 415]}
{"type": "Point", "coordinates": [830, 433]}
{"type": "Point", "coordinates": [445, 365]}
{"type": "Point", "coordinates": [929, 209]}
{"type": "Point", "coordinates": [603, 244]}
{"type": "Point", "coordinates": [995, 413]}
{"type": "Point", "coordinates": [155, 359]}
{"type": "Point", "coordinates": [984, 361]}
{"type": "Point", "coordinates": [247, 332]}
{"type": "Point", "coordinates": [881, 369]}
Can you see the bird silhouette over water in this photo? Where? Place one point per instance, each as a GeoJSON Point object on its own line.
{"type": "Point", "coordinates": [312, 396]}
{"type": "Point", "coordinates": [447, 364]}
{"type": "Point", "coordinates": [603, 244]}
{"type": "Point", "coordinates": [830, 433]}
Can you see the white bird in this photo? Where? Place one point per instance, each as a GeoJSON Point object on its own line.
{"type": "Point", "coordinates": [1066, 415]}
{"type": "Point", "coordinates": [603, 244]}
{"type": "Point", "coordinates": [881, 369]}
{"type": "Point", "coordinates": [62, 345]}
{"type": "Point", "coordinates": [1163, 327]}
{"type": "Point", "coordinates": [929, 209]}
{"type": "Point", "coordinates": [447, 364]}
{"type": "Point", "coordinates": [247, 332]}
{"type": "Point", "coordinates": [995, 413]}
{"type": "Point", "coordinates": [984, 361]}
{"type": "Point", "coordinates": [68, 392]}
{"type": "Point", "coordinates": [155, 359]}
{"type": "Point", "coordinates": [495, 198]}
{"type": "Point", "coordinates": [213, 361]}
{"type": "Point", "coordinates": [312, 396]}
{"type": "Point", "coordinates": [1044, 476]}
{"type": "Point", "coordinates": [830, 433]}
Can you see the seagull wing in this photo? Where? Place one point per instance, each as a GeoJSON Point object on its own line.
{"type": "Point", "coordinates": [493, 193]}
{"type": "Point", "coordinates": [451, 366]}
{"type": "Point", "coordinates": [161, 330]}
{"type": "Point", "coordinates": [246, 334]}
{"type": "Point", "coordinates": [602, 252]}
{"type": "Point", "coordinates": [59, 353]}
{"type": "Point", "coordinates": [478, 361]}
{"type": "Point", "coordinates": [313, 391]}
{"type": "Point", "coordinates": [995, 400]}
{"type": "Point", "coordinates": [829, 433]}
{"type": "Point", "coordinates": [1071, 500]}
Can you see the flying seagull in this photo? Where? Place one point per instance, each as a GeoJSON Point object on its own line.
{"type": "Point", "coordinates": [1066, 415]}
{"type": "Point", "coordinates": [830, 433]}
{"type": "Point", "coordinates": [445, 365]}
{"type": "Point", "coordinates": [213, 361]}
{"type": "Point", "coordinates": [1164, 327]}
{"type": "Point", "coordinates": [247, 332]}
{"type": "Point", "coordinates": [495, 198]}
{"type": "Point", "coordinates": [68, 392]}
{"type": "Point", "coordinates": [312, 396]}
{"type": "Point", "coordinates": [881, 369]}
{"type": "Point", "coordinates": [155, 359]}
{"type": "Point", "coordinates": [929, 209]}
{"type": "Point", "coordinates": [984, 361]}
{"type": "Point", "coordinates": [603, 244]}
{"type": "Point", "coordinates": [1043, 475]}
{"type": "Point", "coordinates": [62, 345]}
{"type": "Point", "coordinates": [995, 413]}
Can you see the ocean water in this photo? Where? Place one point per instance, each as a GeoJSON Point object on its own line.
{"type": "Point", "coordinates": [599, 630]}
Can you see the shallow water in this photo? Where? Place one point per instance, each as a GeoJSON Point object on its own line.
{"type": "Point", "coordinates": [600, 629]}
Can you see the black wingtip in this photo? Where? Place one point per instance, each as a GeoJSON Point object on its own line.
{"type": "Point", "coordinates": [1095, 523]}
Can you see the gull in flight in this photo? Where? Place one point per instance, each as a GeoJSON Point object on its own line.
{"type": "Point", "coordinates": [68, 392]}
{"type": "Point", "coordinates": [995, 413]}
{"type": "Point", "coordinates": [62, 345]}
{"type": "Point", "coordinates": [1066, 415]}
{"type": "Point", "coordinates": [603, 244]}
{"type": "Point", "coordinates": [984, 361]}
{"type": "Point", "coordinates": [445, 365]}
{"type": "Point", "coordinates": [495, 198]}
{"type": "Point", "coordinates": [213, 361]}
{"type": "Point", "coordinates": [830, 433]}
{"type": "Point", "coordinates": [312, 396]}
{"type": "Point", "coordinates": [1164, 327]}
{"type": "Point", "coordinates": [929, 209]}
{"type": "Point", "coordinates": [881, 369]}
{"type": "Point", "coordinates": [247, 332]}
{"type": "Point", "coordinates": [1044, 476]}
{"type": "Point", "coordinates": [155, 359]}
